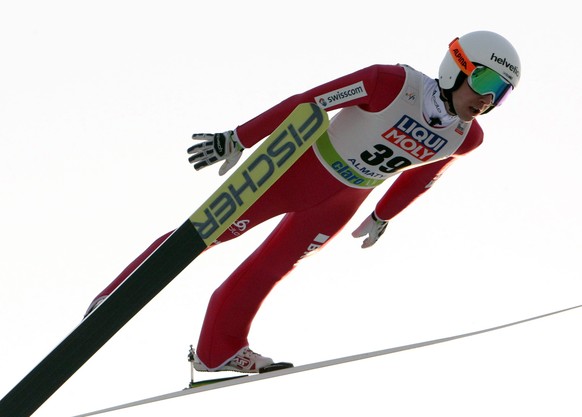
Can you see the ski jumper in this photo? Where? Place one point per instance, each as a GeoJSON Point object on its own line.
{"type": "Point", "coordinates": [383, 128]}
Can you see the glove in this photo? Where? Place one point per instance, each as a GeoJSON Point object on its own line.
{"type": "Point", "coordinates": [215, 147]}
{"type": "Point", "coordinates": [373, 227]}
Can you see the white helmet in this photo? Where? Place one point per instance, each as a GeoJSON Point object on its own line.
{"type": "Point", "coordinates": [482, 48]}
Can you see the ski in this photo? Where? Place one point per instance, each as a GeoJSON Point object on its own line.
{"type": "Point", "coordinates": [208, 385]}
{"type": "Point", "coordinates": [252, 178]}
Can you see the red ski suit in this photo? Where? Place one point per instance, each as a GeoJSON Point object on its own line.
{"type": "Point", "coordinates": [316, 206]}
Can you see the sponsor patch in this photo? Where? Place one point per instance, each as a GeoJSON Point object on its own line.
{"type": "Point", "coordinates": [412, 137]}
{"type": "Point", "coordinates": [343, 95]}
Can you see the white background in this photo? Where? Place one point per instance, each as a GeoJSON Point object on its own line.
{"type": "Point", "coordinates": [97, 104]}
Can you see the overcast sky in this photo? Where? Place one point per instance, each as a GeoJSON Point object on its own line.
{"type": "Point", "coordinates": [98, 101]}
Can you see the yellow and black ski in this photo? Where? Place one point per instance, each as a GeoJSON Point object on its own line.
{"type": "Point", "coordinates": [253, 177]}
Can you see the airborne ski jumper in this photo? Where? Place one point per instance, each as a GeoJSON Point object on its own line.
{"type": "Point", "coordinates": [393, 120]}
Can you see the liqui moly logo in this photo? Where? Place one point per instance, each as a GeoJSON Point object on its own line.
{"type": "Point", "coordinates": [415, 139]}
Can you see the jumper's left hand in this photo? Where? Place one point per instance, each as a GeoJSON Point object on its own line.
{"type": "Point", "coordinates": [373, 227]}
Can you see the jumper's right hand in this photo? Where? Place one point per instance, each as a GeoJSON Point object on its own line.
{"type": "Point", "coordinates": [215, 147]}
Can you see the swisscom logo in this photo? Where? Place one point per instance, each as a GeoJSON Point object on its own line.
{"type": "Point", "coordinates": [342, 95]}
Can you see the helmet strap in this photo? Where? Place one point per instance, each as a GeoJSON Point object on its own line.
{"type": "Point", "coordinates": [447, 98]}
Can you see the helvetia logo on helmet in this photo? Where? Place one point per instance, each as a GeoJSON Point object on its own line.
{"type": "Point", "coordinates": [505, 63]}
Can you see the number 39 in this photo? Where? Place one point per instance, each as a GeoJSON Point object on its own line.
{"type": "Point", "coordinates": [383, 156]}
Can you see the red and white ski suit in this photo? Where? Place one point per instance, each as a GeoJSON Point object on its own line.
{"type": "Point", "coordinates": [380, 131]}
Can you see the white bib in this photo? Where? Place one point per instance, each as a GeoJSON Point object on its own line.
{"type": "Point", "coordinates": [362, 149]}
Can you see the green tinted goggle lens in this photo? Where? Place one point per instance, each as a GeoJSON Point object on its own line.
{"type": "Point", "coordinates": [485, 81]}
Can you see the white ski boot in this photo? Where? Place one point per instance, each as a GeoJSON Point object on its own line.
{"type": "Point", "coordinates": [245, 361]}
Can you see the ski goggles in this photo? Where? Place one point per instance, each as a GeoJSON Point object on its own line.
{"type": "Point", "coordinates": [482, 80]}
